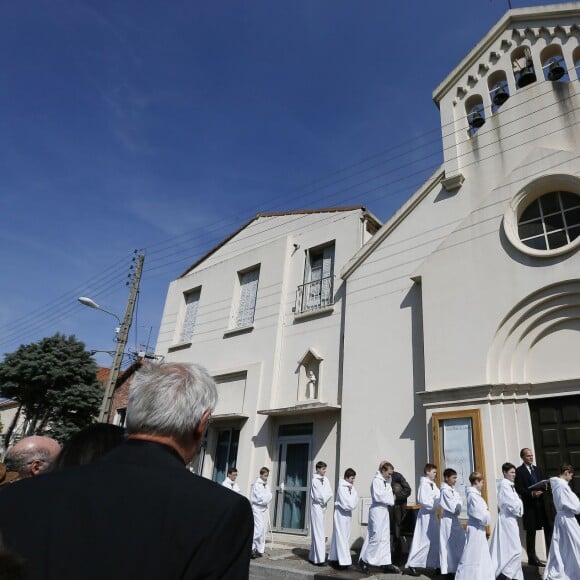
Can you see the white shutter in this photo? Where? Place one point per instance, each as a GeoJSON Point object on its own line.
{"type": "Point", "coordinates": [328, 261]}
{"type": "Point", "coordinates": [248, 294]}
{"type": "Point", "coordinates": [327, 273]}
{"type": "Point", "coordinates": [191, 307]}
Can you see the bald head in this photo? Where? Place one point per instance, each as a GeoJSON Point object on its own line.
{"type": "Point", "coordinates": [32, 455]}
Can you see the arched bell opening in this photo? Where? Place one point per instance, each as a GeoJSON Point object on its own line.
{"type": "Point", "coordinates": [475, 113]}
{"type": "Point", "coordinates": [499, 91]}
{"type": "Point", "coordinates": [523, 67]}
{"type": "Point", "coordinates": [553, 64]}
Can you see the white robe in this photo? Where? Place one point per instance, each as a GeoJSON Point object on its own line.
{"type": "Point", "coordinates": [320, 495]}
{"type": "Point", "coordinates": [475, 562]}
{"type": "Point", "coordinates": [451, 532]}
{"type": "Point", "coordinates": [260, 498]}
{"type": "Point", "coordinates": [424, 551]}
{"type": "Point", "coordinates": [346, 500]}
{"type": "Point", "coordinates": [232, 485]}
{"type": "Point", "coordinates": [564, 558]}
{"type": "Point", "coordinates": [505, 546]}
{"type": "Point", "coordinates": [376, 549]}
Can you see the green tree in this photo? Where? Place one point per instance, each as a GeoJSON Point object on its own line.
{"type": "Point", "coordinates": [55, 382]}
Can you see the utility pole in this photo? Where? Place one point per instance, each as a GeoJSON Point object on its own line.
{"type": "Point", "coordinates": [121, 342]}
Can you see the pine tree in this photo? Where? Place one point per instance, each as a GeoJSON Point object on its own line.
{"type": "Point", "coordinates": [55, 382]}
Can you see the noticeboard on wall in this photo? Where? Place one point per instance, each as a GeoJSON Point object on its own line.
{"type": "Point", "coordinates": [457, 444]}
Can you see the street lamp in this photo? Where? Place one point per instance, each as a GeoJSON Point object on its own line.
{"type": "Point", "coordinates": [92, 304]}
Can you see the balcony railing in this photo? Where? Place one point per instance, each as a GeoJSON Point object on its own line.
{"type": "Point", "coordinates": [315, 295]}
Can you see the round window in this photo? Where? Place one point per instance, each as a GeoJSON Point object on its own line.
{"type": "Point", "coordinates": [544, 219]}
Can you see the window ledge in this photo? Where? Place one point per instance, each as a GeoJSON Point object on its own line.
{"type": "Point", "coordinates": [238, 330]}
{"type": "Point", "coordinates": [179, 346]}
{"type": "Point", "coordinates": [314, 313]}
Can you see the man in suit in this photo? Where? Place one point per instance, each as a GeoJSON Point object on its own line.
{"type": "Point", "coordinates": [534, 518]}
{"type": "Point", "coordinates": [138, 512]}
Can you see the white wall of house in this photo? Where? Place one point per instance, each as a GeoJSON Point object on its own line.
{"type": "Point", "coordinates": [261, 381]}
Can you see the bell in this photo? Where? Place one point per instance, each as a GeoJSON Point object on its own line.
{"type": "Point", "coordinates": [476, 120]}
{"type": "Point", "coordinates": [500, 95]}
{"type": "Point", "coordinates": [527, 76]}
{"type": "Point", "coordinates": [555, 71]}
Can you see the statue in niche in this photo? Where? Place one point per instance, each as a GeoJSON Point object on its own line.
{"type": "Point", "coordinates": [311, 385]}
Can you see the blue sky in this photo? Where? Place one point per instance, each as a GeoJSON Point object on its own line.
{"type": "Point", "coordinates": [163, 126]}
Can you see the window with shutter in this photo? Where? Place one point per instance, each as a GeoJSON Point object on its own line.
{"type": "Point", "coordinates": [191, 307]}
{"type": "Point", "coordinates": [247, 300]}
{"type": "Point", "coordinates": [318, 277]}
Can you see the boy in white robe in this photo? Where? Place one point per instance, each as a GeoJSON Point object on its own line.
{"type": "Point", "coordinates": [475, 563]}
{"type": "Point", "coordinates": [505, 546]}
{"type": "Point", "coordinates": [451, 533]}
{"type": "Point", "coordinates": [345, 502]}
{"type": "Point", "coordinates": [260, 498]}
{"type": "Point", "coordinates": [424, 551]}
{"type": "Point", "coordinates": [230, 480]}
{"type": "Point", "coordinates": [320, 495]}
{"type": "Point", "coordinates": [564, 558]}
{"type": "Point", "coordinates": [376, 550]}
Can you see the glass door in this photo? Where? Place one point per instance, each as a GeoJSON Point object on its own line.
{"type": "Point", "coordinates": [292, 485]}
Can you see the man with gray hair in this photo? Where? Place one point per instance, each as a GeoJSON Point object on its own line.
{"type": "Point", "coordinates": [137, 512]}
{"type": "Point", "coordinates": [32, 455]}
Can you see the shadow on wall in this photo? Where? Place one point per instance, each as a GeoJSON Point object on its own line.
{"type": "Point", "coordinates": [415, 429]}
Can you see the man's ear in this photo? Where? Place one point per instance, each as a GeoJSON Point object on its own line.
{"type": "Point", "coordinates": [202, 425]}
{"type": "Point", "coordinates": [36, 467]}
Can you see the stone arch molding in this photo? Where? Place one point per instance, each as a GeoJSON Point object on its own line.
{"type": "Point", "coordinates": [531, 325]}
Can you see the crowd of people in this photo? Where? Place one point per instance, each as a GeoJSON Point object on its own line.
{"type": "Point", "coordinates": [136, 512]}
{"type": "Point", "coordinates": [116, 504]}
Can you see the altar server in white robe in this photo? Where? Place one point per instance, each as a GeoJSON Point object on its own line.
{"type": "Point", "coordinates": [230, 481]}
{"type": "Point", "coordinates": [475, 563]}
{"type": "Point", "coordinates": [505, 546]}
{"type": "Point", "coordinates": [564, 558]}
{"type": "Point", "coordinates": [451, 533]}
{"type": "Point", "coordinates": [424, 551]}
{"type": "Point", "coordinates": [260, 498]}
{"type": "Point", "coordinates": [376, 549]}
{"type": "Point", "coordinates": [320, 495]}
{"type": "Point", "coordinates": [345, 502]}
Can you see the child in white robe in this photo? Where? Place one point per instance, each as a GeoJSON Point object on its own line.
{"type": "Point", "coordinates": [424, 551]}
{"type": "Point", "coordinates": [564, 558]}
{"type": "Point", "coordinates": [505, 545]}
{"type": "Point", "coordinates": [320, 495]}
{"type": "Point", "coordinates": [230, 481]}
{"type": "Point", "coordinates": [345, 502]}
{"type": "Point", "coordinates": [451, 533]}
{"type": "Point", "coordinates": [260, 498]}
{"type": "Point", "coordinates": [475, 563]}
{"type": "Point", "coordinates": [376, 549]}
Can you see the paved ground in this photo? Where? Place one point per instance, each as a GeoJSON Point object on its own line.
{"type": "Point", "coordinates": [287, 562]}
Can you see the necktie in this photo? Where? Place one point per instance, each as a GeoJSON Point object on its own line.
{"type": "Point", "coordinates": [232, 484]}
{"type": "Point", "coordinates": [322, 480]}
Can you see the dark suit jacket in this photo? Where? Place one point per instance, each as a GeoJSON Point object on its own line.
{"type": "Point", "coordinates": [136, 514]}
{"type": "Point", "coordinates": [534, 512]}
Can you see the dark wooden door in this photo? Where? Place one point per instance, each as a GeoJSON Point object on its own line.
{"type": "Point", "coordinates": [556, 429]}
